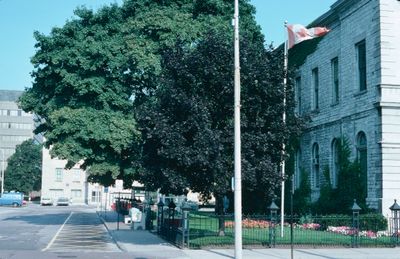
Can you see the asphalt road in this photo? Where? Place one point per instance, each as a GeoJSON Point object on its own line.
{"type": "Point", "coordinates": [35, 231]}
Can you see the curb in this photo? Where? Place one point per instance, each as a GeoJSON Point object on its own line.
{"type": "Point", "coordinates": [109, 232]}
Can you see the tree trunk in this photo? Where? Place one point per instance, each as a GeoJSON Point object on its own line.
{"type": "Point", "coordinates": [219, 211]}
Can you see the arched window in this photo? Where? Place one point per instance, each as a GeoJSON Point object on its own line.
{"type": "Point", "coordinates": [362, 159]}
{"type": "Point", "coordinates": [297, 169]}
{"type": "Point", "coordinates": [315, 166]}
{"type": "Point", "coordinates": [334, 172]}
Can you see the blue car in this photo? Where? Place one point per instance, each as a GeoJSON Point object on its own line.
{"type": "Point", "coordinates": [12, 199]}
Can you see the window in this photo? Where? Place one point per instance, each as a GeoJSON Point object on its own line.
{"type": "Point", "coordinates": [95, 196]}
{"type": "Point", "coordinates": [76, 174]}
{"type": "Point", "coordinates": [363, 160]}
{"type": "Point", "coordinates": [59, 174]}
{"type": "Point", "coordinates": [361, 65]}
{"type": "Point", "coordinates": [298, 94]}
{"type": "Point", "coordinates": [335, 163]}
{"type": "Point", "coordinates": [335, 80]}
{"type": "Point", "coordinates": [297, 169]}
{"type": "Point", "coordinates": [14, 113]}
{"type": "Point", "coordinates": [76, 193]}
{"type": "Point", "coordinates": [315, 83]}
{"type": "Point", "coordinates": [315, 166]}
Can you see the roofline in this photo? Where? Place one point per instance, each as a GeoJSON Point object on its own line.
{"type": "Point", "coordinates": [330, 16]}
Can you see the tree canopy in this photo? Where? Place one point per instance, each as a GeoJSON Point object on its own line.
{"type": "Point", "coordinates": [24, 170]}
{"type": "Point", "coordinates": [187, 128]}
{"type": "Point", "coordinates": [145, 91]}
{"type": "Point", "coordinates": [91, 73]}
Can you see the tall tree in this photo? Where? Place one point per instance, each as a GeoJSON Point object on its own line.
{"type": "Point", "coordinates": [91, 73]}
{"type": "Point", "coordinates": [188, 126]}
{"type": "Point", "coordinates": [24, 170]}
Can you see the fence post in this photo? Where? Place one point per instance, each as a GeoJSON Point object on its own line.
{"type": "Point", "coordinates": [171, 219]}
{"type": "Point", "coordinates": [273, 208]}
{"type": "Point", "coordinates": [160, 216]}
{"type": "Point", "coordinates": [356, 224]}
{"type": "Point", "coordinates": [185, 224]}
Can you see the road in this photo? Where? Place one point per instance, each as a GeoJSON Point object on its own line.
{"type": "Point", "coordinates": [35, 231]}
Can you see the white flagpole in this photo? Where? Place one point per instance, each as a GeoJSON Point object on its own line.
{"type": "Point", "coordinates": [238, 177]}
{"type": "Point", "coordinates": [285, 69]}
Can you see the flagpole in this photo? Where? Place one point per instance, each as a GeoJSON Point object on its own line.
{"type": "Point", "coordinates": [238, 177]}
{"type": "Point", "coordinates": [285, 69]}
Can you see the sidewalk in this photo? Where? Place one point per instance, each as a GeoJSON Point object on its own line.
{"type": "Point", "coordinates": [140, 243]}
{"type": "Point", "coordinates": [143, 244]}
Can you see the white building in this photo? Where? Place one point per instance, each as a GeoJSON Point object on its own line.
{"type": "Point", "coordinates": [72, 184]}
{"type": "Point", "coordinates": [350, 86]}
{"type": "Point", "coordinates": [59, 182]}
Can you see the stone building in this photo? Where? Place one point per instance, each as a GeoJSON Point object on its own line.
{"type": "Point", "coordinates": [350, 86]}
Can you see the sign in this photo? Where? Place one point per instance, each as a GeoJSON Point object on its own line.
{"type": "Point", "coordinates": [135, 214]}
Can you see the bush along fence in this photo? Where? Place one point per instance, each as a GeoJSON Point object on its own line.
{"type": "Point", "coordinates": [193, 229]}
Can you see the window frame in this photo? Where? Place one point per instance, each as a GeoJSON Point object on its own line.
{"type": "Point", "coordinates": [58, 174]}
{"type": "Point", "coordinates": [298, 94]}
{"type": "Point", "coordinates": [315, 87]}
{"type": "Point", "coordinates": [335, 80]}
{"type": "Point", "coordinates": [335, 163]}
{"type": "Point", "coordinates": [361, 61]}
{"type": "Point", "coordinates": [316, 170]}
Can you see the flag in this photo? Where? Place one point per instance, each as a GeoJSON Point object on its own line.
{"type": "Point", "coordinates": [298, 33]}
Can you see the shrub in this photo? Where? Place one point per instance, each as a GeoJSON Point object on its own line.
{"type": "Point", "coordinates": [373, 221]}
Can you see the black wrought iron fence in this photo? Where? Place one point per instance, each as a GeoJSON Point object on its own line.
{"type": "Point", "coordinates": [211, 230]}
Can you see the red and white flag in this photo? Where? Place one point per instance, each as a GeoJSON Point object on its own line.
{"type": "Point", "coordinates": [298, 33]}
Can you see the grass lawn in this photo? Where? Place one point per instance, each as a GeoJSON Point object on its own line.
{"type": "Point", "coordinates": [204, 233]}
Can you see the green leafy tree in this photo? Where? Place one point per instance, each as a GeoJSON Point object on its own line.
{"type": "Point", "coordinates": [90, 74]}
{"type": "Point", "coordinates": [24, 170]}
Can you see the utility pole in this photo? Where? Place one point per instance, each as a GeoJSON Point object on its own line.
{"type": "Point", "coordinates": [238, 174]}
{"type": "Point", "coordinates": [285, 69]}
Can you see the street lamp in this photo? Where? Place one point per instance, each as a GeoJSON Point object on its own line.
{"type": "Point", "coordinates": [395, 209]}
{"type": "Point", "coordinates": [356, 222]}
{"type": "Point", "coordinates": [273, 208]}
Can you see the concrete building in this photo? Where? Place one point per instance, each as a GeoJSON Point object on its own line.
{"type": "Point", "coordinates": [350, 86]}
{"type": "Point", "coordinates": [16, 126]}
{"type": "Point", "coordinates": [59, 182]}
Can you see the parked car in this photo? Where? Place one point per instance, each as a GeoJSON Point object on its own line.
{"type": "Point", "coordinates": [62, 201]}
{"type": "Point", "coordinates": [14, 199]}
{"type": "Point", "coordinates": [46, 201]}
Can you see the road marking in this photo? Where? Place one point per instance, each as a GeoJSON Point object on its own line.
{"type": "Point", "coordinates": [83, 232]}
{"type": "Point", "coordinates": [58, 232]}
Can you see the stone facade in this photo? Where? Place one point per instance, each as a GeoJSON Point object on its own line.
{"type": "Point", "coordinates": [370, 113]}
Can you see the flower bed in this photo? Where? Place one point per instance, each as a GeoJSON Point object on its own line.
{"type": "Point", "coordinates": [250, 223]}
{"type": "Point", "coordinates": [348, 231]}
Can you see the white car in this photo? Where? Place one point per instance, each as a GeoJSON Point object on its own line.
{"type": "Point", "coordinates": [44, 201]}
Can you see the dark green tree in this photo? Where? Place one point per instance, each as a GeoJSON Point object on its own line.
{"type": "Point", "coordinates": [188, 126]}
{"type": "Point", "coordinates": [90, 74]}
{"type": "Point", "coordinates": [351, 185]}
{"type": "Point", "coordinates": [24, 170]}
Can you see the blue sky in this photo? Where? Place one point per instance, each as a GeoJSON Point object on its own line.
{"type": "Point", "coordinates": [19, 18]}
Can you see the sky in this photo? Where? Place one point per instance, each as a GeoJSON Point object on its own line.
{"type": "Point", "coordinates": [20, 18]}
